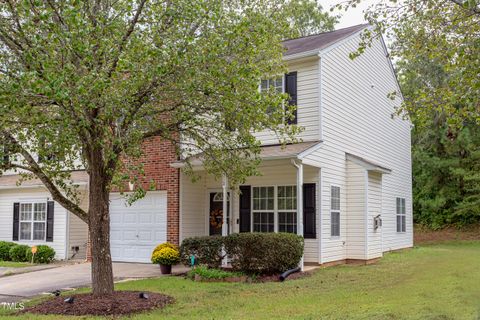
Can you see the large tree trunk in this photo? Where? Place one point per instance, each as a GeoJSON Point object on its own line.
{"type": "Point", "coordinates": [99, 229]}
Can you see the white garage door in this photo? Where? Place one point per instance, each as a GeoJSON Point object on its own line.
{"type": "Point", "coordinates": [137, 229]}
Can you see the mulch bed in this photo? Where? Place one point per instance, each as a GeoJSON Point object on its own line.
{"type": "Point", "coordinates": [423, 235]}
{"type": "Point", "coordinates": [120, 303]}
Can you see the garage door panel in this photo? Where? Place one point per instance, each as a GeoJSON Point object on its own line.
{"type": "Point", "coordinates": [115, 235]}
{"type": "Point", "coordinates": [130, 218]}
{"type": "Point", "coordinates": [146, 236]}
{"type": "Point", "coordinates": [137, 229]}
{"type": "Point", "coordinates": [145, 217]}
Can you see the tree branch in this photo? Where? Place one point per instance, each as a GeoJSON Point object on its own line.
{"type": "Point", "coordinates": [465, 5]}
{"type": "Point", "coordinates": [35, 169]}
{"type": "Point", "coordinates": [130, 29]}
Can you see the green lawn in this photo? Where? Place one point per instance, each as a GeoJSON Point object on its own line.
{"type": "Point", "coordinates": [430, 282]}
{"type": "Point", "coordinates": [11, 264]}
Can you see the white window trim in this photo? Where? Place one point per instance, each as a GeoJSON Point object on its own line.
{"type": "Point", "coordinates": [268, 81]}
{"type": "Point", "coordinates": [275, 205]}
{"type": "Point", "coordinates": [339, 211]}
{"type": "Point", "coordinates": [32, 221]}
{"type": "Point", "coordinates": [285, 210]}
{"type": "Point", "coordinates": [401, 214]}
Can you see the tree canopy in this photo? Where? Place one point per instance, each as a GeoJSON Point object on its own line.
{"type": "Point", "coordinates": [443, 31]}
{"type": "Point", "coordinates": [84, 83]}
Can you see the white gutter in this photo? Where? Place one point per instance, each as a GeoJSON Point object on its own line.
{"type": "Point", "coordinates": [299, 167]}
{"type": "Point", "coordinates": [300, 55]}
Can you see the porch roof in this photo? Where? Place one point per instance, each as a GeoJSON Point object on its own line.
{"type": "Point", "coordinates": [367, 164]}
{"type": "Point", "coordinates": [267, 152]}
{"type": "Point", "coordinates": [10, 181]}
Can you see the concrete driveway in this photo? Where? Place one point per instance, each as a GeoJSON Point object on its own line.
{"type": "Point", "coordinates": [27, 285]}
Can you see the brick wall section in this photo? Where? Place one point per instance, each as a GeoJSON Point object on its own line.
{"type": "Point", "coordinates": [158, 155]}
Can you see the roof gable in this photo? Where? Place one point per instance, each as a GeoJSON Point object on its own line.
{"type": "Point", "coordinates": [320, 41]}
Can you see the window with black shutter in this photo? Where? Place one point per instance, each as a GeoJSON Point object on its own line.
{"type": "Point", "coordinates": [291, 89]}
{"type": "Point", "coordinates": [245, 208]}
{"type": "Point", "coordinates": [309, 211]}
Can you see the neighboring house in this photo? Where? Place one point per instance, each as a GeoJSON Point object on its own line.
{"type": "Point", "coordinates": [348, 181]}
{"type": "Point", "coordinates": [29, 216]}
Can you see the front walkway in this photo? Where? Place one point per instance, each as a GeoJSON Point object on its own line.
{"type": "Point", "coordinates": [27, 285]}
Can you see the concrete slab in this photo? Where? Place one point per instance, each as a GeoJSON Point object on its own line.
{"type": "Point", "coordinates": [20, 286]}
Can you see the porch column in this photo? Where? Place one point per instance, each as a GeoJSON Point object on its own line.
{"type": "Point", "coordinates": [299, 167]}
{"type": "Point", "coordinates": [225, 205]}
{"type": "Point", "coordinates": [224, 218]}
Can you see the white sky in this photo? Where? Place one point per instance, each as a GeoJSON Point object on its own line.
{"type": "Point", "coordinates": [350, 18]}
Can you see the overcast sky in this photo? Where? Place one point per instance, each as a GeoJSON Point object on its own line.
{"type": "Point", "coordinates": [352, 17]}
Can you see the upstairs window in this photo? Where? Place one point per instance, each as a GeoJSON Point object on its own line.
{"type": "Point", "coordinates": [284, 84]}
{"type": "Point", "coordinates": [272, 84]}
{"type": "Point", "coordinates": [401, 215]}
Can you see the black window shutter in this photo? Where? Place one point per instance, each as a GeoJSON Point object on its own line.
{"type": "Point", "coordinates": [50, 214]}
{"type": "Point", "coordinates": [309, 211]}
{"type": "Point", "coordinates": [291, 89]}
{"type": "Point", "coordinates": [245, 208]}
{"type": "Point", "coordinates": [16, 219]}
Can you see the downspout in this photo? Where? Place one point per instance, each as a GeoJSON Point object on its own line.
{"type": "Point", "coordinates": [67, 234]}
{"type": "Point", "coordinates": [299, 167]}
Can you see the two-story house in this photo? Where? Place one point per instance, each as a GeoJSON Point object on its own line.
{"type": "Point", "coordinates": [346, 186]}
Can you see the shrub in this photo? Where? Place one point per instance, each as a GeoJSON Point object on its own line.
{"type": "Point", "coordinates": [166, 256]}
{"type": "Point", "coordinates": [5, 250]}
{"type": "Point", "coordinates": [45, 254]}
{"type": "Point", "coordinates": [207, 250]}
{"type": "Point", "coordinates": [208, 273]}
{"type": "Point", "coordinates": [18, 253]}
{"type": "Point", "coordinates": [264, 253]}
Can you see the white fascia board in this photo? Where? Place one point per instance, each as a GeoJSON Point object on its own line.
{"type": "Point", "coordinates": [36, 186]}
{"type": "Point", "coordinates": [309, 151]}
{"type": "Point", "coordinates": [367, 165]}
{"type": "Point", "coordinates": [300, 55]}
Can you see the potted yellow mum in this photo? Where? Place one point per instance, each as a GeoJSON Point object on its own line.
{"type": "Point", "coordinates": [166, 255]}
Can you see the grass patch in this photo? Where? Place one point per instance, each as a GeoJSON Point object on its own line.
{"type": "Point", "coordinates": [12, 264]}
{"type": "Point", "coordinates": [207, 273]}
{"type": "Point", "coordinates": [429, 282]}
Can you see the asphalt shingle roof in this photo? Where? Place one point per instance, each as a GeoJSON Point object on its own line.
{"type": "Point", "coordinates": [319, 41]}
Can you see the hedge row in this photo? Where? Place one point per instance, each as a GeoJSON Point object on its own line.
{"type": "Point", "coordinates": [258, 253]}
{"type": "Point", "coordinates": [10, 251]}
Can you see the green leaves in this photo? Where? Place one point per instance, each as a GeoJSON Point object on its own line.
{"type": "Point", "coordinates": [94, 79]}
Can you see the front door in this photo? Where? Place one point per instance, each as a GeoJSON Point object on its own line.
{"type": "Point", "coordinates": [216, 213]}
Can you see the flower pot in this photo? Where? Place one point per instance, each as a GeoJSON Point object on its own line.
{"type": "Point", "coordinates": [166, 269]}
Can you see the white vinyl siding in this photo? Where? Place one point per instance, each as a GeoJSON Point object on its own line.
{"type": "Point", "coordinates": [33, 195]}
{"type": "Point", "coordinates": [307, 101]}
{"type": "Point", "coordinates": [194, 196]}
{"type": "Point", "coordinates": [355, 211]}
{"type": "Point", "coordinates": [357, 119]}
